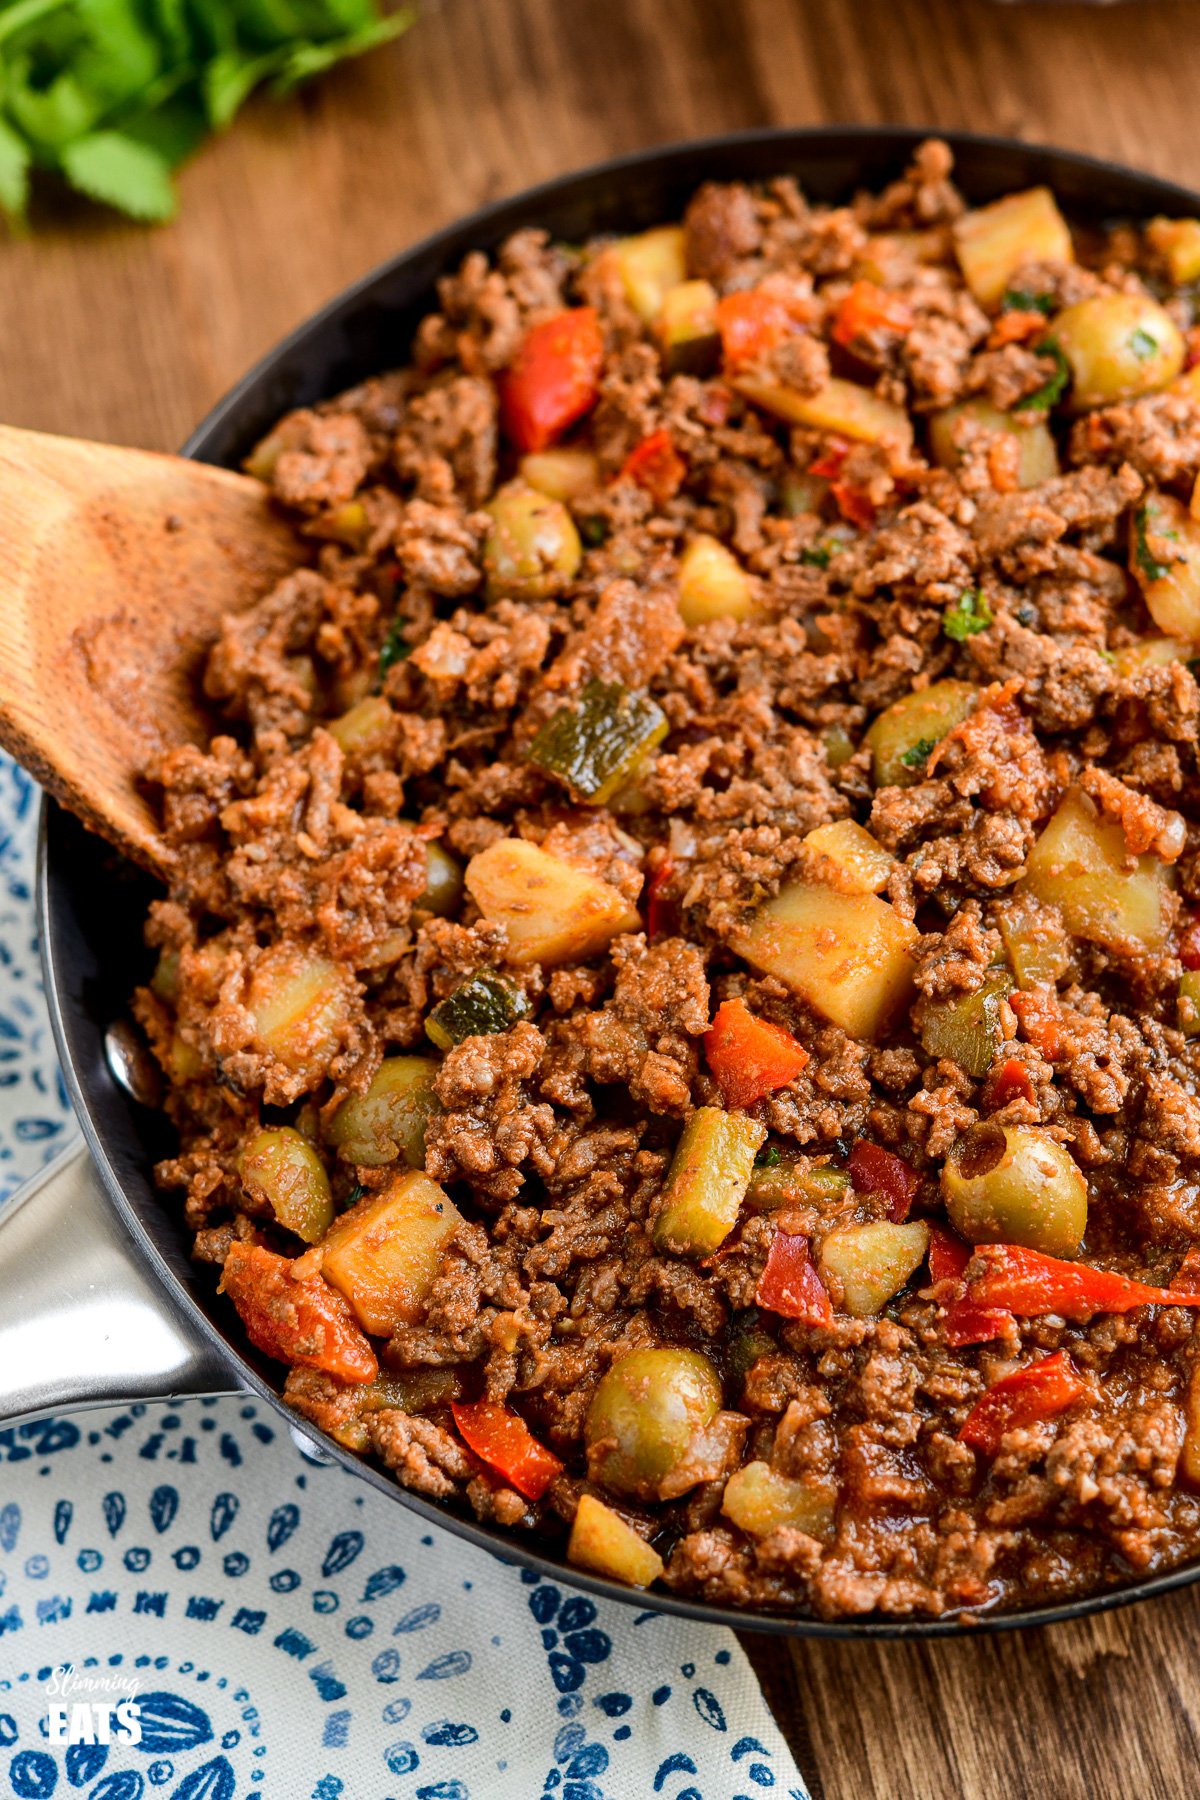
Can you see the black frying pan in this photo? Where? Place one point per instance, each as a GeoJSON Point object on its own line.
{"type": "Point", "coordinates": [90, 907]}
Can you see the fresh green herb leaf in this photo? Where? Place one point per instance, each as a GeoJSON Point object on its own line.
{"type": "Point", "coordinates": [396, 648]}
{"type": "Point", "coordinates": [107, 166]}
{"type": "Point", "coordinates": [1025, 300]}
{"type": "Point", "coordinates": [15, 162]}
{"type": "Point", "coordinates": [1142, 344]}
{"type": "Point", "coordinates": [919, 755]}
{"type": "Point", "coordinates": [969, 614]}
{"type": "Point", "coordinates": [1145, 558]}
{"type": "Point", "coordinates": [593, 530]}
{"type": "Point", "coordinates": [1052, 391]}
{"type": "Point", "coordinates": [354, 1196]}
{"type": "Point", "coordinates": [768, 1157]}
{"type": "Point", "coordinates": [817, 556]}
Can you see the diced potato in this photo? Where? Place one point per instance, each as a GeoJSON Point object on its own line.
{"type": "Point", "coordinates": [289, 434]}
{"type": "Point", "coordinates": [968, 1029]}
{"type": "Point", "coordinates": [563, 473]}
{"type": "Point", "coordinates": [1177, 241]}
{"type": "Point", "coordinates": [845, 856]}
{"type": "Point", "coordinates": [841, 406]}
{"type": "Point", "coordinates": [871, 1263]}
{"type": "Point", "coordinates": [1118, 346]}
{"type": "Point", "coordinates": [165, 979]}
{"type": "Point", "coordinates": [707, 1181]}
{"type": "Point", "coordinates": [892, 257]}
{"type": "Point", "coordinates": [1036, 947]}
{"type": "Point", "coordinates": [299, 1002]}
{"type": "Point", "coordinates": [281, 1167]}
{"type": "Point", "coordinates": [347, 524]}
{"type": "Point", "coordinates": [388, 1120]}
{"type": "Point", "coordinates": [759, 1501]}
{"type": "Point", "coordinates": [713, 583]}
{"type": "Point", "coordinates": [649, 264]}
{"type": "Point", "coordinates": [1189, 1003]}
{"type": "Point", "coordinates": [367, 728]}
{"type": "Point", "coordinates": [1081, 865]}
{"type": "Point", "coordinates": [839, 746]}
{"type": "Point", "coordinates": [1151, 653]}
{"type": "Point", "coordinates": [847, 955]}
{"type": "Point", "coordinates": [1037, 451]}
{"type": "Point", "coordinates": [552, 911]}
{"type": "Point", "coordinates": [532, 549]}
{"type": "Point", "coordinates": [687, 327]}
{"type": "Point", "coordinates": [602, 1542]}
{"type": "Point", "coordinates": [1164, 554]}
{"type": "Point", "coordinates": [994, 241]}
{"type": "Point", "coordinates": [184, 1061]}
{"type": "Point", "coordinates": [383, 1254]}
{"type": "Point", "coordinates": [1189, 1457]}
{"type": "Point", "coordinates": [903, 736]}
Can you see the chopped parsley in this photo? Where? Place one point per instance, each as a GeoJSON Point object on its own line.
{"type": "Point", "coordinates": [1025, 300]}
{"type": "Point", "coordinates": [969, 614]}
{"type": "Point", "coordinates": [593, 530]}
{"type": "Point", "coordinates": [768, 1158]}
{"type": "Point", "coordinates": [355, 1195]}
{"type": "Point", "coordinates": [817, 556]}
{"type": "Point", "coordinates": [1052, 391]}
{"type": "Point", "coordinates": [1142, 344]}
{"type": "Point", "coordinates": [395, 647]}
{"type": "Point", "coordinates": [919, 755]}
{"type": "Point", "coordinates": [1147, 562]}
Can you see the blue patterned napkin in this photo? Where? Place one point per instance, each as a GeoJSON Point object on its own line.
{"type": "Point", "coordinates": [280, 1630]}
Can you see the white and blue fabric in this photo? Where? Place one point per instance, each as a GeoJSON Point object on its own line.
{"type": "Point", "coordinates": [284, 1632]}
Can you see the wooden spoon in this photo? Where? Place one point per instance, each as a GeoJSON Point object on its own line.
{"type": "Point", "coordinates": [115, 569]}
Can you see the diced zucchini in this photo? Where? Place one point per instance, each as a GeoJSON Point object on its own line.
{"type": "Point", "coordinates": [383, 1254]}
{"type": "Point", "coordinates": [444, 886]}
{"type": "Point", "coordinates": [602, 1542]}
{"type": "Point", "coordinates": [552, 911]}
{"type": "Point", "coordinates": [994, 241]}
{"type": "Point", "coordinates": [841, 406]}
{"type": "Point", "coordinates": [1189, 1003]}
{"type": "Point", "coordinates": [707, 1181]}
{"type": "Point", "coordinates": [280, 1167]}
{"type": "Point", "coordinates": [687, 327]}
{"type": "Point", "coordinates": [1037, 451]}
{"type": "Point", "coordinates": [1177, 241]}
{"type": "Point", "coordinates": [368, 728]}
{"type": "Point", "coordinates": [871, 1263]}
{"type": "Point", "coordinates": [388, 1120]}
{"type": "Point", "coordinates": [562, 473]}
{"type": "Point", "coordinates": [848, 955]}
{"type": "Point", "coordinates": [847, 857]}
{"type": "Point", "coordinates": [532, 550]}
{"type": "Point", "coordinates": [595, 745]}
{"type": "Point", "coordinates": [902, 738]}
{"type": "Point", "coordinates": [481, 1005]}
{"type": "Point", "coordinates": [650, 264]}
{"type": "Point", "coordinates": [1164, 555]}
{"type": "Point", "coordinates": [789, 1183]}
{"type": "Point", "coordinates": [299, 1003]}
{"type": "Point", "coordinates": [1151, 653]}
{"type": "Point", "coordinates": [713, 583]}
{"type": "Point", "coordinates": [1118, 346]}
{"type": "Point", "coordinates": [1035, 944]}
{"type": "Point", "coordinates": [759, 1501]}
{"type": "Point", "coordinates": [969, 1029]}
{"type": "Point", "coordinates": [1081, 865]}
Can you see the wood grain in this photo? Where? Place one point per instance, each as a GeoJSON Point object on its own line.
{"type": "Point", "coordinates": [130, 335]}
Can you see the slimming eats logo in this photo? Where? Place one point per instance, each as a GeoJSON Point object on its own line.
{"type": "Point", "coordinates": [92, 1708]}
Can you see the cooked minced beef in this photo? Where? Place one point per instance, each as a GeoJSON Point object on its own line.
{"type": "Point", "coordinates": [780, 620]}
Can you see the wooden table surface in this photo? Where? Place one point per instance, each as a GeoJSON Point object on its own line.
{"type": "Point", "coordinates": [130, 334]}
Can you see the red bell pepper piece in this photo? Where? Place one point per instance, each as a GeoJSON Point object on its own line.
{"type": "Point", "coordinates": [751, 323]}
{"type": "Point", "coordinates": [553, 379]}
{"type": "Point", "coordinates": [867, 309]}
{"type": "Point", "coordinates": [1040, 1018]}
{"type": "Point", "coordinates": [789, 1284]}
{"type": "Point", "coordinates": [829, 463]}
{"type": "Point", "coordinates": [305, 1322]}
{"type": "Point", "coordinates": [1040, 1390]}
{"type": "Point", "coordinates": [657, 466]}
{"type": "Point", "coordinates": [501, 1438]}
{"type": "Point", "coordinates": [1028, 1283]}
{"type": "Point", "coordinates": [660, 912]}
{"type": "Point", "coordinates": [964, 1322]}
{"type": "Point", "coordinates": [750, 1057]}
{"type": "Point", "coordinates": [851, 501]}
{"type": "Point", "coordinates": [1189, 943]}
{"type": "Point", "coordinates": [874, 1170]}
{"type": "Point", "coordinates": [1011, 1083]}
{"type": "Point", "coordinates": [948, 1255]}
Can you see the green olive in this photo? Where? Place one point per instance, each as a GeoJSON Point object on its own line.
{"type": "Point", "coordinates": [280, 1167]}
{"type": "Point", "coordinates": [389, 1120]}
{"type": "Point", "coordinates": [1118, 346]}
{"type": "Point", "coordinates": [644, 1416]}
{"type": "Point", "coordinates": [443, 890]}
{"type": "Point", "coordinates": [532, 549]}
{"type": "Point", "coordinates": [1008, 1184]}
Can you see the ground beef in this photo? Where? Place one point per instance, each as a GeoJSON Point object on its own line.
{"type": "Point", "coordinates": [495, 1098]}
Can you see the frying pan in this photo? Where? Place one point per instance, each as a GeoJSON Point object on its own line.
{"type": "Point", "coordinates": [99, 1301]}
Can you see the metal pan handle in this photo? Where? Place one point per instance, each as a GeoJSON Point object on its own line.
{"type": "Point", "coordinates": [81, 1323]}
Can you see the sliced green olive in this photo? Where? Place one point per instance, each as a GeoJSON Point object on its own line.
{"type": "Point", "coordinates": [280, 1167]}
{"type": "Point", "coordinates": [1011, 1184]}
{"type": "Point", "coordinates": [443, 889]}
{"type": "Point", "coordinates": [389, 1119]}
{"type": "Point", "coordinates": [644, 1416]}
{"type": "Point", "coordinates": [532, 549]}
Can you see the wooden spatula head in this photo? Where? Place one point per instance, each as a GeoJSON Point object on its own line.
{"type": "Point", "coordinates": [116, 567]}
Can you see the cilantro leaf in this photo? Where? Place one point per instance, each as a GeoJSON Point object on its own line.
{"type": "Point", "coordinates": [395, 647]}
{"type": "Point", "coordinates": [1024, 300]}
{"type": "Point", "coordinates": [919, 754]}
{"type": "Point", "coordinates": [969, 614]}
{"type": "Point", "coordinates": [107, 166]}
{"type": "Point", "coordinates": [1051, 391]}
{"type": "Point", "coordinates": [15, 161]}
{"type": "Point", "coordinates": [1142, 344]}
{"type": "Point", "coordinates": [817, 556]}
{"type": "Point", "coordinates": [1147, 562]}
{"type": "Point", "coordinates": [768, 1157]}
